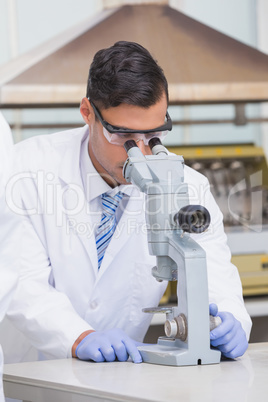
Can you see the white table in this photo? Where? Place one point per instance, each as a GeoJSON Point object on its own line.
{"type": "Point", "coordinates": [245, 379]}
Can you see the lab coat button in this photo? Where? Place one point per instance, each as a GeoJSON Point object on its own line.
{"type": "Point", "coordinates": [94, 304]}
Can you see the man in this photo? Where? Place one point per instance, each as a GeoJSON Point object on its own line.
{"type": "Point", "coordinates": [9, 233]}
{"type": "Point", "coordinates": [82, 287]}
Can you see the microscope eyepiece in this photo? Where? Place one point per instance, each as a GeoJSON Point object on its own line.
{"type": "Point", "coordinates": [156, 146]}
{"type": "Point", "coordinates": [129, 144]}
{"type": "Point", "coordinates": [154, 141]}
{"type": "Point", "coordinates": [193, 218]}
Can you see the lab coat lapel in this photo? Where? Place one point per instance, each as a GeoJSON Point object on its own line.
{"type": "Point", "coordinates": [73, 197]}
{"type": "Point", "coordinates": [131, 223]}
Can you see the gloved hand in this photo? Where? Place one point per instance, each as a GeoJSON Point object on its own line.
{"type": "Point", "coordinates": [107, 346]}
{"type": "Point", "coordinates": [229, 337]}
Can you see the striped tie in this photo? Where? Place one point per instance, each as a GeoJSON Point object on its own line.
{"type": "Point", "coordinates": [108, 223]}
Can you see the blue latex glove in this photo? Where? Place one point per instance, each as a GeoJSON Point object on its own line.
{"type": "Point", "coordinates": [229, 337]}
{"type": "Point", "coordinates": [108, 345]}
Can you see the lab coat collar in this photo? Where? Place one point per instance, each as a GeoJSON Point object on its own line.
{"type": "Point", "coordinates": [94, 186]}
{"type": "Point", "coordinates": [73, 196]}
{"type": "Point", "coordinates": [70, 176]}
{"type": "Point", "coordinates": [69, 169]}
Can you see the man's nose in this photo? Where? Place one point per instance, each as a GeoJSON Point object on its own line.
{"type": "Point", "coordinates": [144, 149]}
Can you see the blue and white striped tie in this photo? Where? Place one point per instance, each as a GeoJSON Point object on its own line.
{"type": "Point", "coordinates": [107, 225]}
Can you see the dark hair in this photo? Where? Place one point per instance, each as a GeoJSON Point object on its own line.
{"type": "Point", "coordinates": [125, 73]}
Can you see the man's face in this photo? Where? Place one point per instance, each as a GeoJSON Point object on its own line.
{"type": "Point", "coordinates": [108, 159]}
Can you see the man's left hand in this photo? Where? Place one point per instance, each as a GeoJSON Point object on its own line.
{"type": "Point", "coordinates": [229, 337]}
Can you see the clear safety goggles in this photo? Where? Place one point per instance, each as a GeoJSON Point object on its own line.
{"type": "Point", "coordinates": [118, 136]}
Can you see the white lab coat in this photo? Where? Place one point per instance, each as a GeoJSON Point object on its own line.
{"type": "Point", "coordinates": [61, 293]}
{"type": "Point", "coordinates": [9, 233]}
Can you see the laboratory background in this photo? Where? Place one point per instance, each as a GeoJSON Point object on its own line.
{"type": "Point", "coordinates": [225, 140]}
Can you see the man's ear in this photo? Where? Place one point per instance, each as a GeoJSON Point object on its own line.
{"type": "Point", "coordinates": [86, 111]}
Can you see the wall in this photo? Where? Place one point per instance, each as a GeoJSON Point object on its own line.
{"type": "Point", "coordinates": [35, 22]}
{"type": "Point", "coordinates": [38, 21]}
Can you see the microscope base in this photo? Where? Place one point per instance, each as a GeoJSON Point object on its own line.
{"type": "Point", "coordinates": [170, 352]}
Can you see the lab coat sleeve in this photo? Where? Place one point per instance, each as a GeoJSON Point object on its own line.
{"type": "Point", "coordinates": [10, 224]}
{"type": "Point", "coordinates": [9, 232]}
{"type": "Point", "coordinates": [9, 253]}
{"type": "Point", "coordinates": [42, 313]}
{"type": "Point", "coordinates": [224, 283]}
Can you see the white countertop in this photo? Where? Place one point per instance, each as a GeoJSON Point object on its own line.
{"type": "Point", "coordinates": [245, 379]}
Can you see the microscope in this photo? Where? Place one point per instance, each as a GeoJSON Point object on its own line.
{"type": "Point", "coordinates": [170, 221]}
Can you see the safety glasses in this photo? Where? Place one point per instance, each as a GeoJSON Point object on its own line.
{"type": "Point", "coordinates": [118, 135]}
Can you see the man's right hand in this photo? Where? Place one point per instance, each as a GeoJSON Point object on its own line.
{"type": "Point", "coordinates": [229, 337]}
{"type": "Point", "coordinates": [109, 345]}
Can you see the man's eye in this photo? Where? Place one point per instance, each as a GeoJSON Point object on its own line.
{"type": "Point", "coordinates": [125, 136]}
{"type": "Point", "coordinates": [150, 135]}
